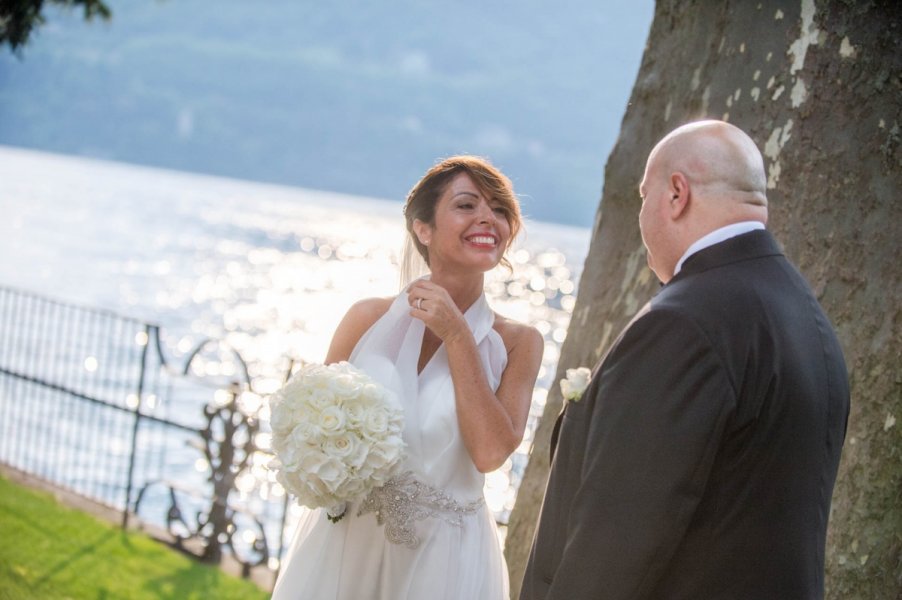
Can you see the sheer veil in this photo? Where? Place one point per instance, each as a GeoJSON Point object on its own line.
{"type": "Point", "coordinates": [412, 265]}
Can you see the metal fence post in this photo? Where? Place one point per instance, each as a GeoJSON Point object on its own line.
{"type": "Point", "coordinates": [136, 425]}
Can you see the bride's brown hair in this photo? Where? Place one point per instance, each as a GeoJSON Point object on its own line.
{"type": "Point", "coordinates": [423, 197]}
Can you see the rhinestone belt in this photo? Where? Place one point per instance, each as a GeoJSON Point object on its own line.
{"type": "Point", "coordinates": [403, 500]}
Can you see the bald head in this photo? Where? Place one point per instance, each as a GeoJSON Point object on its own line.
{"type": "Point", "coordinates": [700, 177]}
{"type": "Point", "coordinates": [719, 160]}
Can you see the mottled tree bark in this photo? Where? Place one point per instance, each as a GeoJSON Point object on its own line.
{"type": "Point", "coordinates": [817, 84]}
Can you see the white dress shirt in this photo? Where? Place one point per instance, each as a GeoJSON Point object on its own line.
{"type": "Point", "coordinates": [717, 236]}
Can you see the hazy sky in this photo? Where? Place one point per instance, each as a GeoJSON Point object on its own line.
{"type": "Point", "coordinates": [356, 97]}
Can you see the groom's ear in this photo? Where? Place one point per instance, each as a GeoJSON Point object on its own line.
{"type": "Point", "coordinates": [679, 195]}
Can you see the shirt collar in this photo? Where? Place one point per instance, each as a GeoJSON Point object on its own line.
{"type": "Point", "coordinates": [717, 236]}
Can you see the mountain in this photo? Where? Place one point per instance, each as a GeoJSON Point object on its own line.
{"type": "Point", "coordinates": [358, 97]}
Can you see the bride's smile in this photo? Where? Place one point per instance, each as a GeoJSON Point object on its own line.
{"type": "Point", "coordinates": [483, 240]}
{"type": "Point", "coordinates": [469, 229]}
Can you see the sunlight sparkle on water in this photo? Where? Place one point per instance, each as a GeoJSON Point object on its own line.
{"type": "Point", "coordinates": [268, 270]}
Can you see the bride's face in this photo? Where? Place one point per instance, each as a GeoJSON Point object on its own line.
{"type": "Point", "coordinates": [469, 230]}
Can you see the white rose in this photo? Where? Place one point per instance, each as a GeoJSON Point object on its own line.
{"type": "Point", "coordinates": [294, 392]}
{"type": "Point", "coordinates": [306, 430]}
{"type": "Point", "coordinates": [289, 480]}
{"type": "Point", "coordinates": [281, 418]}
{"type": "Point", "coordinates": [350, 387]}
{"type": "Point", "coordinates": [332, 473]}
{"type": "Point", "coordinates": [289, 456]}
{"type": "Point", "coordinates": [357, 457]}
{"type": "Point", "coordinates": [311, 460]}
{"type": "Point", "coordinates": [393, 448]}
{"type": "Point", "coordinates": [340, 446]}
{"type": "Point", "coordinates": [319, 396]}
{"type": "Point", "coordinates": [331, 420]}
{"type": "Point", "coordinates": [375, 460]}
{"type": "Point", "coordinates": [376, 394]}
{"type": "Point", "coordinates": [384, 453]}
{"type": "Point", "coordinates": [395, 422]}
{"type": "Point", "coordinates": [575, 384]}
{"type": "Point", "coordinates": [376, 424]}
{"type": "Point", "coordinates": [355, 411]}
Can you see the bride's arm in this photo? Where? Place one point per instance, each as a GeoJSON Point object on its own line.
{"type": "Point", "coordinates": [353, 325]}
{"type": "Point", "coordinates": [492, 424]}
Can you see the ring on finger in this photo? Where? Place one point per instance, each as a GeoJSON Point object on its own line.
{"type": "Point", "coordinates": [419, 304]}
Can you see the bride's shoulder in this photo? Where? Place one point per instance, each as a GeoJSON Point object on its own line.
{"type": "Point", "coordinates": [517, 336]}
{"type": "Point", "coordinates": [356, 321]}
{"type": "Point", "coordinates": [369, 310]}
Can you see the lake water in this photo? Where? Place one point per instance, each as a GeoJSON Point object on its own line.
{"type": "Point", "coordinates": [269, 269]}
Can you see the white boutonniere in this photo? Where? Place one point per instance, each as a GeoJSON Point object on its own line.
{"type": "Point", "coordinates": [573, 386]}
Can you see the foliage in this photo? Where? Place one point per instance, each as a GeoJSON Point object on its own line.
{"type": "Point", "coordinates": [62, 553]}
{"type": "Point", "coordinates": [19, 18]}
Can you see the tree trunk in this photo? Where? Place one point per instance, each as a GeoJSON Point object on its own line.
{"type": "Point", "coordinates": [817, 85]}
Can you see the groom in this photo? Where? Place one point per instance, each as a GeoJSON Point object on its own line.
{"type": "Point", "coordinates": [700, 461]}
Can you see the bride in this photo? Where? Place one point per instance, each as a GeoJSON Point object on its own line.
{"type": "Point", "coordinates": [465, 377]}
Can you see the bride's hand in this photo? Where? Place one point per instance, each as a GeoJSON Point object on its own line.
{"type": "Point", "coordinates": [433, 305]}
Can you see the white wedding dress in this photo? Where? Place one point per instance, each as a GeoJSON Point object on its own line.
{"type": "Point", "coordinates": [428, 535]}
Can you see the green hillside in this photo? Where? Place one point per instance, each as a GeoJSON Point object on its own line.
{"type": "Point", "coordinates": [357, 97]}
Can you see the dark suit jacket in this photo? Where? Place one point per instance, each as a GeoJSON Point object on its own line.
{"type": "Point", "coordinates": [701, 459]}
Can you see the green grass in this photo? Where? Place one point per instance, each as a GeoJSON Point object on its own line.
{"type": "Point", "coordinates": [48, 551]}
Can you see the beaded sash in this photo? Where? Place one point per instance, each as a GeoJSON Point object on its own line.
{"type": "Point", "coordinates": [404, 500]}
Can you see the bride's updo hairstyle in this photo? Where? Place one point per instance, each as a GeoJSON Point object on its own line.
{"type": "Point", "coordinates": [423, 197]}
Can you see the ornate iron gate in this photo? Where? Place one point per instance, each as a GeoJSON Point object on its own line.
{"type": "Point", "coordinates": [89, 402]}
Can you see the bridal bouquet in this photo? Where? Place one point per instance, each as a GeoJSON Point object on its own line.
{"type": "Point", "coordinates": [336, 434]}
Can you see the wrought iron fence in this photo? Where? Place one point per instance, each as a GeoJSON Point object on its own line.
{"type": "Point", "coordinates": [89, 402]}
